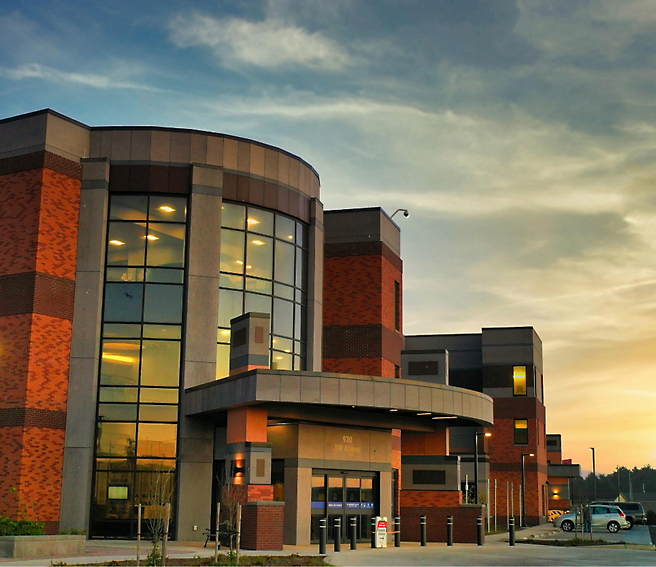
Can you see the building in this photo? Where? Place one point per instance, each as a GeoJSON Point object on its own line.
{"type": "Point", "coordinates": [563, 476]}
{"type": "Point", "coordinates": [180, 316]}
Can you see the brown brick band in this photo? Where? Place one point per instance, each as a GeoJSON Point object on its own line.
{"type": "Point", "coordinates": [375, 248]}
{"type": "Point", "coordinates": [359, 341]}
{"type": "Point", "coordinates": [37, 293]}
{"type": "Point", "coordinates": [32, 417]}
{"type": "Point", "coordinates": [517, 467]}
{"type": "Point", "coordinates": [38, 160]}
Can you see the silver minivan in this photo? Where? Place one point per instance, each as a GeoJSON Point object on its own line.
{"type": "Point", "coordinates": [607, 517]}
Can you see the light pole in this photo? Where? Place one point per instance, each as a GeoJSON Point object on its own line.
{"type": "Point", "coordinates": [486, 434]}
{"type": "Point", "coordinates": [594, 472]}
{"type": "Point", "coordinates": [524, 455]}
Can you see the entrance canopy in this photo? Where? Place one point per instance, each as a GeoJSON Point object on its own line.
{"type": "Point", "coordinates": [368, 401]}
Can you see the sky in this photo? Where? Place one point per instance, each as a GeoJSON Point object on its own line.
{"type": "Point", "coordinates": [519, 134]}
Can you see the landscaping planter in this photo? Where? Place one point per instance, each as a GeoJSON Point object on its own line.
{"type": "Point", "coordinates": [42, 545]}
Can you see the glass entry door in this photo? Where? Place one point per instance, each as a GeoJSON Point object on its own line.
{"type": "Point", "coordinates": [344, 494]}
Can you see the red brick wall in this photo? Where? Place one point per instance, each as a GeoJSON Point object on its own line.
{"type": "Point", "coordinates": [464, 523]}
{"type": "Point", "coordinates": [262, 526]}
{"type": "Point", "coordinates": [430, 498]}
{"type": "Point", "coordinates": [39, 209]}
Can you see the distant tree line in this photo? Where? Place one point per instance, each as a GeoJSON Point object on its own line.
{"type": "Point", "coordinates": [631, 483]}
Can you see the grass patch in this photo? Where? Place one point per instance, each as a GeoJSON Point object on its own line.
{"type": "Point", "coordinates": [574, 542]}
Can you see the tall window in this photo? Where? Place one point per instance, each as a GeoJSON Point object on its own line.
{"type": "Point", "coordinates": [140, 360]}
{"type": "Point", "coordinates": [519, 380]}
{"type": "Point", "coordinates": [521, 432]}
{"type": "Point", "coordinates": [397, 306]}
{"type": "Point", "coordinates": [263, 269]}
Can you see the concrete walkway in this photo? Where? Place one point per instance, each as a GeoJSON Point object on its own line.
{"type": "Point", "coordinates": [496, 551]}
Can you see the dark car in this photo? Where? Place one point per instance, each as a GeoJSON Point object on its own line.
{"type": "Point", "coordinates": [635, 513]}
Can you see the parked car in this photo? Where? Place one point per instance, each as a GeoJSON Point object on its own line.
{"type": "Point", "coordinates": [609, 517]}
{"type": "Point", "coordinates": [635, 513]}
{"type": "Point", "coordinates": [553, 514]}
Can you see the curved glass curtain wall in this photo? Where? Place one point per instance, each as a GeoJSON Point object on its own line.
{"type": "Point", "coordinates": [139, 379]}
{"type": "Point", "coordinates": [263, 269]}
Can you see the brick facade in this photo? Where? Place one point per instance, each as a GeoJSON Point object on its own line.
{"type": "Point", "coordinates": [262, 526]}
{"type": "Point", "coordinates": [39, 210]}
{"type": "Point", "coordinates": [465, 519]}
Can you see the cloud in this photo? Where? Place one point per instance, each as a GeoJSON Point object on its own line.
{"type": "Point", "coordinates": [96, 81]}
{"type": "Point", "coordinates": [271, 43]}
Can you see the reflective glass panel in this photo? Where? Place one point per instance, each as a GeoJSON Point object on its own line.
{"type": "Point", "coordinates": [301, 297]}
{"type": "Point", "coordinates": [120, 362]}
{"type": "Point", "coordinates": [260, 221]}
{"type": "Point", "coordinates": [156, 465]}
{"type": "Point", "coordinates": [171, 209]}
{"type": "Point", "coordinates": [116, 439]}
{"type": "Point", "coordinates": [158, 413]}
{"type": "Point", "coordinates": [164, 275]}
{"type": "Point", "coordinates": [298, 363]}
{"type": "Point", "coordinates": [257, 303]}
{"type": "Point", "coordinates": [283, 291]}
{"type": "Point", "coordinates": [166, 245]}
{"type": "Point", "coordinates": [157, 440]}
{"type": "Point", "coordinates": [154, 488]}
{"type": "Point", "coordinates": [282, 344]}
{"type": "Point", "coordinates": [161, 363]}
{"type": "Point", "coordinates": [283, 317]}
{"type": "Point", "coordinates": [163, 303]}
{"type": "Point", "coordinates": [128, 207]}
{"type": "Point", "coordinates": [222, 361]}
{"type": "Point", "coordinates": [301, 268]}
{"type": "Point", "coordinates": [301, 235]}
{"type": "Point", "coordinates": [123, 302]}
{"type": "Point", "coordinates": [158, 396]}
{"type": "Point", "coordinates": [230, 306]}
{"type": "Point", "coordinates": [285, 262]}
{"type": "Point", "coordinates": [125, 274]}
{"type": "Point", "coordinates": [299, 326]}
{"type": "Point", "coordinates": [353, 490]}
{"type": "Point", "coordinates": [260, 286]}
{"type": "Point", "coordinates": [232, 251]}
{"type": "Point", "coordinates": [233, 216]}
{"type": "Point", "coordinates": [285, 228]}
{"type": "Point", "coordinates": [122, 331]}
{"type": "Point", "coordinates": [367, 490]}
{"type": "Point", "coordinates": [281, 361]}
{"type": "Point", "coordinates": [117, 412]}
{"type": "Point", "coordinates": [161, 331]}
{"type": "Point", "coordinates": [118, 394]}
{"type": "Point", "coordinates": [126, 245]}
{"type": "Point", "coordinates": [259, 256]}
{"type": "Point", "coordinates": [115, 464]}
{"type": "Point", "coordinates": [223, 336]}
{"type": "Point", "coordinates": [230, 281]}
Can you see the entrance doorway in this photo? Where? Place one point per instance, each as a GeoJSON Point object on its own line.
{"type": "Point", "coordinates": [344, 494]}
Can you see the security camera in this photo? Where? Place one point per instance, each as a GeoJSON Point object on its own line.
{"type": "Point", "coordinates": [406, 214]}
{"type": "Point", "coordinates": [404, 211]}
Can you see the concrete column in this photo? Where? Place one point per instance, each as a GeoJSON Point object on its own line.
{"type": "Point", "coordinates": [195, 437]}
{"type": "Point", "coordinates": [249, 342]}
{"type": "Point", "coordinates": [298, 495]}
{"type": "Point", "coordinates": [85, 347]}
{"type": "Point", "coordinates": [315, 288]}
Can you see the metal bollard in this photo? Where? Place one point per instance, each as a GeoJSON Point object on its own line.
{"type": "Point", "coordinates": [338, 535]}
{"type": "Point", "coordinates": [449, 530]}
{"type": "Point", "coordinates": [423, 530]}
{"type": "Point", "coordinates": [323, 535]}
{"type": "Point", "coordinates": [373, 533]}
{"type": "Point", "coordinates": [511, 531]}
{"type": "Point", "coordinates": [354, 532]}
{"type": "Point", "coordinates": [479, 530]}
{"type": "Point", "coordinates": [397, 531]}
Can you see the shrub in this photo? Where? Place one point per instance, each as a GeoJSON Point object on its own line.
{"type": "Point", "coordinates": [20, 527]}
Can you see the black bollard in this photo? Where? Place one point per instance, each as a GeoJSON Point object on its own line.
{"type": "Point", "coordinates": [397, 531]}
{"type": "Point", "coordinates": [511, 531]}
{"type": "Point", "coordinates": [354, 532]}
{"type": "Point", "coordinates": [423, 530]}
{"type": "Point", "coordinates": [338, 535]}
{"type": "Point", "coordinates": [373, 533]}
{"type": "Point", "coordinates": [479, 530]}
{"type": "Point", "coordinates": [449, 530]}
{"type": "Point", "coordinates": [323, 533]}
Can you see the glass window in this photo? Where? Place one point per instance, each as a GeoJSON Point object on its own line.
{"type": "Point", "coordinates": [124, 274]}
{"type": "Point", "coordinates": [122, 331]}
{"type": "Point", "coordinates": [353, 490]}
{"type": "Point", "coordinates": [519, 380]}
{"type": "Point", "coordinates": [158, 396]}
{"type": "Point", "coordinates": [171, 209]}
{"type": "Point", "coordinates": [230, 306]}
{"type": "Point", "coordinates": [283, 317]}
{"type": "Point", "coordinates": [223, 336]}
{"type": "Point", "coordinates": [161, 363]}
{"type": "Point", "coordinates": [233, 216]}
{"type": "Point", "coordinates": [118, 394]}
{"type": "Point", "coordinates": [259, 256]}
{"type": "Point", "coordinates": [260, 221]}
{"type": "Point", "coordinates": [335, 492]}
{"type": "Point", "coordinates": [285, 229]}
{"type": "Point", "coordinates": [116, 439]}
{"type": "Point", "coordinates": [279, 343]}
{"type": "Point", "coordinates": [301, 268]}
{"type": "Point", "coordinates": [301, 235]}
{"type": "Point", "coordinates": [232, 251]}
{"type": "Point", "coordinates": [299, 327]}
{"type": "Point", "coordinates": [126, 244]}
{"type": "Point", "coordinates": [222, 361]}
{"type": "Point", "coordinates": [283, 291]}
{"type": "Point", "coordinates": [120, 362]}
{"type": "Point", "coordinates": [164, 275]}
{"type": "Point", "coordinates": [123, 302]}
{"type": "Point", "coordinates": [161, 331]}
{"type": "Point", "coordinates": [157, 440]}
{"type": "Point", "coordinates": [230, 281]}
{"type": "Point", "coordinates": [260, 286]}
{"type": "Point", "coordinates": [368, 490]}
{"type": "Point", "coordinates": [319, 489]}
{"type": "Point", "coordinates": [257, 303]}
{"type": "Point", "coordinates": [117, 412]}
{"type": "Point", "coordinates": [281, 361]}
{"type": "Point", "coordinates": [285, 262]}
{"type": "Point", "coordinates": [166, 245]}
{"type": "Point", "coordinates": [158, 413]}
{"type": "Point", "coordinates": [521, 432]}
{"type": "Point", "coordinates": [163, 303]}
{"type": "Point", "coordinates": [128, 207]}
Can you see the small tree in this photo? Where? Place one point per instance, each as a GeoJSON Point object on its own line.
{"type": "Point", "coordinates": [159, 493]}
{"type": "Point", "coordinates": [231, 497]}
